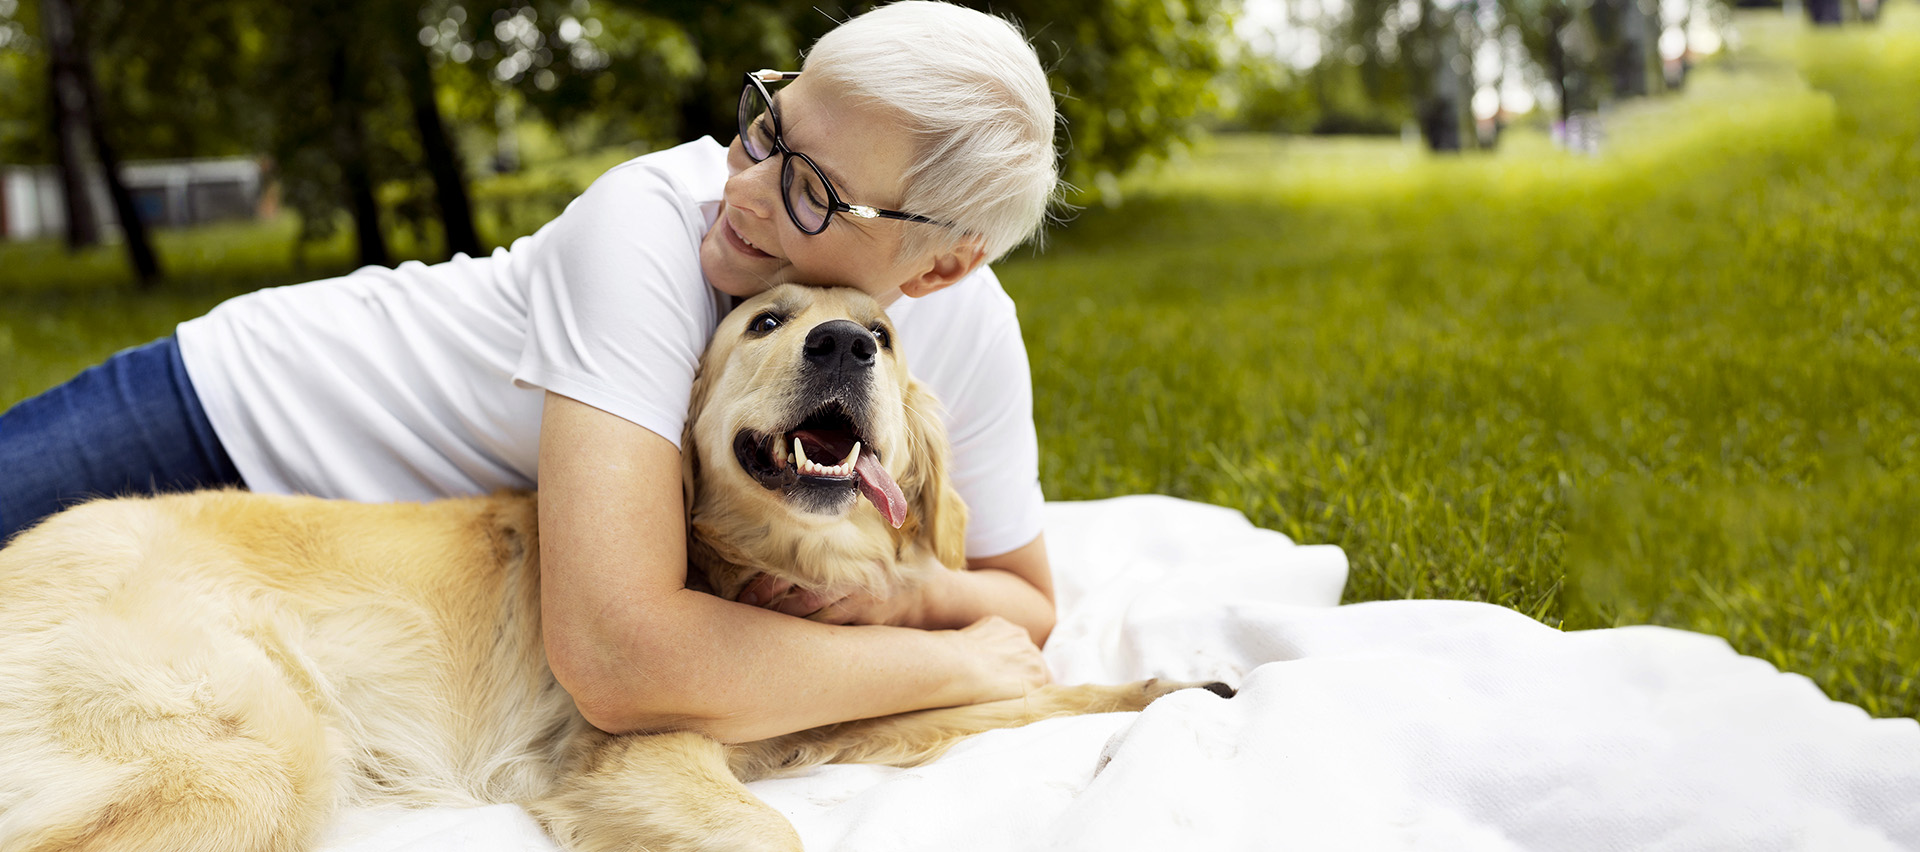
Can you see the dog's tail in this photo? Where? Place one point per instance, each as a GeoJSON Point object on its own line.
{"type": "Point", "coordinates": [144, 714]}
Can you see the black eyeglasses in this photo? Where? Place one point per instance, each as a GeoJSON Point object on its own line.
{"type": "Point", "coordinates": [808, 195]}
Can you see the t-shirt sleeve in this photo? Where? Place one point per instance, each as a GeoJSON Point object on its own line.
{"type": "Point", "coordinates": [617, 309]}
{"type": "Point", "coordinates": [996, 454]}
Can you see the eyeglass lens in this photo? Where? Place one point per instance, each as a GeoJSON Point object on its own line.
{"type": "Point", "coordinates": [806, 193]}
{"type": "Point", "coordinates": [803, 187]}
{"type": "Point", "coordinates": [756, 125]}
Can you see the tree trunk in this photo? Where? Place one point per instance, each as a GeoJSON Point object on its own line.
{"type": "Point", "coordinates": [1678, 80]}
{"type": "Point", "coordinates": [133, 229]}
{"type": "Point", "coordinates": [1557, 63]}
{"type": "Point", "coordinates": [1824, 12]}
{"type": "Point", "coordinates": [1440, 106]}
{"type": "Point", "coordinates": [350, 145]}
{"type": "Point", "coordinates": [442, 159]}
{"type": "Point", "coordinates": [1630, 58]}
{"type": "Point", "coordinates": [69, 115]}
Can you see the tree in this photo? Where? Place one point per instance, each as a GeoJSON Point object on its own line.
{"type": "Point", "coordinates": [1826, 13]}
{"type": "Point", "coordinates": [1440, 64]}
{"type": "Point", "coordinates": [338, 95]}
{"type": "Point", "coordinates": [353, 102]}
{"type": "Point", "coordinates": [1134, 79]}
{"type": "Point", "coordinates": [70, 133]}
{"type": "Point", "coordinates": [1627, 34]}
{"type": "Point", "coordinates": [78, 127]}
{"type": "Point", "coordinates": [1416, 65]}
{"type": "Point", "coordinates": [1558, 39]}
{"type": "Point", "coordinates": [441, 158]}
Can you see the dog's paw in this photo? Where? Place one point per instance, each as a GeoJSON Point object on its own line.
{"type": "Point", "coordinates": [1119, 698]}
{"type": "Point", "coordinates": [1220, 689]}
{"type": "Point", "coordinates": [1156, 688]}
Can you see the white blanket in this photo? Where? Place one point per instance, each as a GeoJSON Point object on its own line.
{"type": "Point", "coordinates": [1431, 725]}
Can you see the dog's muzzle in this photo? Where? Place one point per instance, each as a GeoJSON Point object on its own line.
{"type": "Point", "coordinates": [824, 459]}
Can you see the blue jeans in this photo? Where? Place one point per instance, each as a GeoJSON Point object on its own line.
{"type": "Point", "coordinates": [132, 425]}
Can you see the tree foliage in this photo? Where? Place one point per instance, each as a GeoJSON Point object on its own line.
{"type": "Point", "coordinates": [1422, 61]}
{"type": "Point", "coordinates": [328, 91]}
{"type": "Point", "coordinates": [24, 109]}
{"type": "Point", "coordinates": [1134, 77]}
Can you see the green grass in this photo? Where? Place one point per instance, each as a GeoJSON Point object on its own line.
{"type": "Point", "coordinates": [1672, 384]}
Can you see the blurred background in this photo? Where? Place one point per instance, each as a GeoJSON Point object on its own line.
{"type": "Point", "coordinates": [1602, 310]}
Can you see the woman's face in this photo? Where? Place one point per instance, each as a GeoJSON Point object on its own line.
{"type": "Point", "coordinates": [754, 244]}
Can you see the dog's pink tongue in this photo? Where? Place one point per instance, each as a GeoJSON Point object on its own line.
{"type": "Point", "coordinates": [881, 490]}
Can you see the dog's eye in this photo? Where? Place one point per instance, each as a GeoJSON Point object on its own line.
{"type": "Point", "coordinates": [765, 323]}
{"type": "Point", "coordinates": [880, 334]}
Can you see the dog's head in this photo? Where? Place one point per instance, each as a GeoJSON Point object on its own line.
{"type": "Point", "coordinates": [811, 455]}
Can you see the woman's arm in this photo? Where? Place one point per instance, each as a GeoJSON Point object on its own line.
{"type": "Point", "coordinates": [638, 651]}
{"type": "Point", "coordinates": [1017, 586]}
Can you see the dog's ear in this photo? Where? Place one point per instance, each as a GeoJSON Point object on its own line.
{"type": "Point", "coordinates": [703, 379]}
{"type": "Point", "coordinates": [936, 514]}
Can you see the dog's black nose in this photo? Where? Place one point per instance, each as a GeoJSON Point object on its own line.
{"type": "Point", "coordinates": [841, 345]}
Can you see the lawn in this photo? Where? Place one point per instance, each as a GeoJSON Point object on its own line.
{"type": "Point", "coordinates": [1670, 384]}
{"type": "Point", "coordinates": [1675, 384]}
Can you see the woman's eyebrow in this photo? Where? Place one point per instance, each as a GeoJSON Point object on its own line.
{"type": "Point", "coordinates": [788, 123]}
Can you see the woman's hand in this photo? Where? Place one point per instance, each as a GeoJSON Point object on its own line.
{"type": "Point", "coordinates": [1011, 665]}
{"type": "Point", "coordinates": [1006, 663]}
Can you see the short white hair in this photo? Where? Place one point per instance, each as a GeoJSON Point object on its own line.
{"type": "Point", "coordinates": [970, 90]}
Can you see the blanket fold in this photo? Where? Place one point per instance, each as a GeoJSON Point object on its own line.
{"type": "Point", "coordinates": [1419, 725]}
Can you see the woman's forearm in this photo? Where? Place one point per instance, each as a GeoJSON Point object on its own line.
{"type": "Point", "coordinates": [964, 597]}
{"type": "Point", "coordinates": [1016, 585]}
{"type": "Point", "coordinates": [739, 673]}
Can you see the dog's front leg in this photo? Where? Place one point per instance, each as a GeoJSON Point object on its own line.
{"type": "Point", "coordinates": [659, 793]}
{"type": "Point", "coordinates": [911, 739]}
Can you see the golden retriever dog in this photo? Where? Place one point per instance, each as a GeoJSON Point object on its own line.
{"type": "Point", "coordinates": [221, 670]}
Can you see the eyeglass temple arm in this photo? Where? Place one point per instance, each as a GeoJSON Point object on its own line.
{"type": "Point", "coordinates": [865, 212]}
{"type": "Point", "coordinates": [768, 75]}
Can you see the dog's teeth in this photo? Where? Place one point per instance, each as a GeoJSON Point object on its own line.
{"type": "Point", "coordinates": [813, 468]}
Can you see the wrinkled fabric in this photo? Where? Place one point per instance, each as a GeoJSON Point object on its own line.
{"type": "Point", "coordinates": [1417, 725]}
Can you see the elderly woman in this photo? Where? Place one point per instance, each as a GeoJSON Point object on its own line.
{"type": "Point", "coordinates": [913, 146]}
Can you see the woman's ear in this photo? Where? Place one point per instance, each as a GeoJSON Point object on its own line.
{"type": "Point", "coordinates": [946, 268]}
{"type": "Point", "coordinates": [938, 515]}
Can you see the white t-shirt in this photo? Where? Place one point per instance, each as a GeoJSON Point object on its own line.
{"type": "Point", "coordinates": [428, 381]}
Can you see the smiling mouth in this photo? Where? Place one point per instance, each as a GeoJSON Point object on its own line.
{"type": "Point", "coordinates": [739, 242]}
{"type": "Point", "coordinates": [823, 461]}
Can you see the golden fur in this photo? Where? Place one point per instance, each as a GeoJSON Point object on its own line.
{"type": "Point", "coordinates": [748, 382]}
{"type": "Point", "coordinates": [221, 670]}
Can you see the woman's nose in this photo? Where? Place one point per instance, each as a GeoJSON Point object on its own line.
{"type": "Point", "coordinates": [755, 188]}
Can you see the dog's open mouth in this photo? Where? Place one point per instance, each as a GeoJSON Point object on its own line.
{"type": "Point", "coordinates": [820, 458]}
